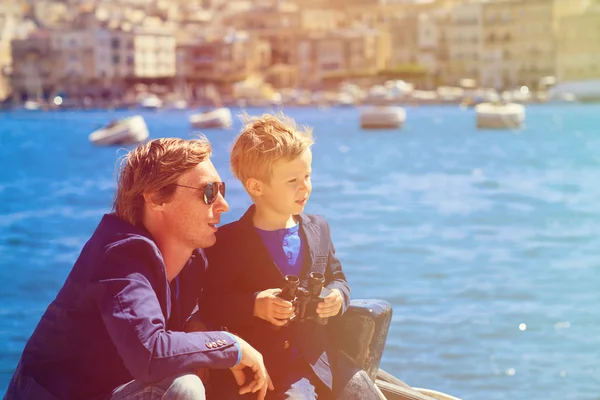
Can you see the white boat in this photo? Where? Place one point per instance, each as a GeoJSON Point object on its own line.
{"type": "Point", "coordinates": [150, 102]}
{"type": "Point", "coordinates": [178, 104]}
{"type": "Point", "coordinates": [345, 100]}
{"type": "Point", "coordinates": [126, 131]}
{"type": "Point", "coordinates": [31, 105]}
{"type": "Point", "coordinates": [382, 117]}
{"type": "Point", "coordinates": [500, 115]}
{"type": "Point", "coordinates": [585, 91]}
{"type": "Point", "coordinates": [218, 118]}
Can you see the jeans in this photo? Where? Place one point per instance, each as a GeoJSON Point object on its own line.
{"type": "Point", "coordinates": [298, 384]}
{"type": "Point", "coordinates": [181, 387]}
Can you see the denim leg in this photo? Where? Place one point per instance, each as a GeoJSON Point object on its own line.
{"type": "Point", "coordinates": [358, 387]}
{"type": "Point", "coordinates": [181, 387]}
{"type": "Point", "coordinates": [301, 390]}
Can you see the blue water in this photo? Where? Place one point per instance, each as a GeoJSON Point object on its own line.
{"type": "Point", "coordinates": [486, 243]}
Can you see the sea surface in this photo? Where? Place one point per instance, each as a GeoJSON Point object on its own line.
{"type": "Point", "coordinates": [486, 243]}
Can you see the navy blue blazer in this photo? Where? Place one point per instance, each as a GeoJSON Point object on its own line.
{"type": "Point", "coordinates": [239, 266]}
{"type": "Point", "coordinates": [114, 321]}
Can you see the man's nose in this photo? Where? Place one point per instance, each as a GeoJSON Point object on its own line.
{"type": "Point", "coordinates": [221, 204]}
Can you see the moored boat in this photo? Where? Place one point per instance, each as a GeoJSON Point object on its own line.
{"type": "Point", "coordinates": [218, 118]}
{"type": "Point", "coordinates": [126, 131]}
{"type": "Point", "coordinates": [499, 115]}
{"type": "Point", "coordinates": [382, 117]}
{"type": "Point", "coordinates": [150, 102]}
{"type": "Point", "coordinates": [584, 91]}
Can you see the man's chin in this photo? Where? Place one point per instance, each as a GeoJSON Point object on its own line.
{"type": "Point", "coordinates": [208, 241]}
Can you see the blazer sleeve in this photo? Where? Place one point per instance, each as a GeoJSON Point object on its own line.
{"type": "Point", "coordinates": [133, 317]}
{"type": "Point", "coordinates": [223, 301]}
{"type": "Point", "coordinates": [335, 276]}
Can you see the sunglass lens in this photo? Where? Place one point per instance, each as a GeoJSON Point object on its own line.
{"type": "Point", "coordinates": [209, 193]}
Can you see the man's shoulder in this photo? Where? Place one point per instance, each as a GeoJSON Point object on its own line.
{"type": "Point", "coordinates": [113, 233]}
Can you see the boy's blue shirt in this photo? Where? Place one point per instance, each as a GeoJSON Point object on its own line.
{"type": "Point", "coordinates": [286, 248]}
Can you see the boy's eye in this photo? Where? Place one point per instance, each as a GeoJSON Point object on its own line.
{"type": "Point", "coordinates": [292, 180]}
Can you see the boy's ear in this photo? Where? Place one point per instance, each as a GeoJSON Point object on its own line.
{"type": "Point", "coordinates": [254, 187]}
{"type": "Point", "coordinates": [148, 198]}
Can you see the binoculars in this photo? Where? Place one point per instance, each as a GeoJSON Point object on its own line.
{"type": "Point", "coordinates": [305, 301]}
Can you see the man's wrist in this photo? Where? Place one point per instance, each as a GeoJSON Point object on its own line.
{"type": "Point", "coordinates": [237, 345]}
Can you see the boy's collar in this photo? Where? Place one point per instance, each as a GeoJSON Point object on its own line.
{"type": "Point", "coordinates": [247, 217]}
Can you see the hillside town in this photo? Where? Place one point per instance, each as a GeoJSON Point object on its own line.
{"type": "Point", "coordinates": [109, 50]}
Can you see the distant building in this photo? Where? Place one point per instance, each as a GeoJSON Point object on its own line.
{"type": "Point", "coordinates": [506, 43]}
{"type": "Point", "coordinates": [34, 74]}
{"type": "Point", "coordinates": [221, 61]}
{"type": "Point", "coordinates": [12, 26]}
{"type": "Point", "coordinates": [465, 42]}
{"type": "Point", "coordinates": [154, 53]}
{"type": "Point", "coordinates": [340, 55]}
{"type": "Point", "coordinates": [578, 47]}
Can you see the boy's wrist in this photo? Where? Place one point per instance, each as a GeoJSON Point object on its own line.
{"type": "Point", "coordinates": [254, 314]}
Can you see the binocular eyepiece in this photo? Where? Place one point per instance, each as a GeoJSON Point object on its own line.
{"type": "Point", "coordinates": [305, 301]}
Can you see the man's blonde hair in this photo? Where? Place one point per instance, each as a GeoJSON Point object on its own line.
{"type": "Point", "coordinates": [152, 168]}
{"type": "Point", "coordinates": [263, 141]}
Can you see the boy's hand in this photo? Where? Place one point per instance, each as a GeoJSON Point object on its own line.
{"type": "Point", "coordinates": [271, 308]}
{"type": "Point", "coordinates": [331, 304]}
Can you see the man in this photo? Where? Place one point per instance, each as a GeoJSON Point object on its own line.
{"type": "Point", "coordinates": [116, 328]}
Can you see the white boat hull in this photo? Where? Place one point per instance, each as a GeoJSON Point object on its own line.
{"type": "Point", "coordinates": [585, 91]}
{"type": "Point", "coordinates": [219, 118]}
{"type": "Point", "coordinates": [499, 116]}
{"type": "Point", "coordinates": [150, 103]}
{"type": "Point", "coordinates": [383, 117]}
{"type": "Point", "coordinates": [127, 131]}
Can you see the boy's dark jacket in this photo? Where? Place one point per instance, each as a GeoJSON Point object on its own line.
{"type": "Point", "coordinates": [239, 266]}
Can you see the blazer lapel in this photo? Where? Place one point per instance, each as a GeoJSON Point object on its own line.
{"type": "Point", "coordinates": [312, 237]}
{"type": "Point", "coordinates": [263, 269]}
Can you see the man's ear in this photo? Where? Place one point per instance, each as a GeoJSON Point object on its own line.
{"type": "Point", "coordinates": [254, 187]}
{"type": "Point", "coordinates": [151, 203]}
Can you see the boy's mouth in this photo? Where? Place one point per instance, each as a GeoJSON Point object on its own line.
{"type": "Point", "coordinates": [302, 202]}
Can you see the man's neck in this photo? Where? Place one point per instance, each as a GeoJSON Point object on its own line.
{"type": "Point", "coordinates": [175, 256]}
{"type": "Point", "coordinates": [174, 259]}
{"type": "Point", "coordinates": [269, 220]}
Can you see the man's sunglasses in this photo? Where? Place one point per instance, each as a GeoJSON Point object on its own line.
{"type": "Point", "coordinates": [210, 191]}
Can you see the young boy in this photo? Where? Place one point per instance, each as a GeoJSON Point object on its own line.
{"type": "Point", "coordinates": [252, 256]}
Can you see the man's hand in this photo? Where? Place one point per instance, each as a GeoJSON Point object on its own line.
{"type": "Point", "coordinates": [253, 360]}
{"type": "Point", "coordinates": [271, 308]}
{"type": "Point", "coordinates": [331, 304]}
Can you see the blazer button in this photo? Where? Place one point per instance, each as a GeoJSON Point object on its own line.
{"type": "Point", "coordinates": [209, 345]}
{"type": "Point", "coordinates": [286, 345]}
{"type": "Point", "coordinates": [214, 345]}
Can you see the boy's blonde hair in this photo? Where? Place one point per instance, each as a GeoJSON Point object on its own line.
{"type": "Point", "coordinates": [263, 141]}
